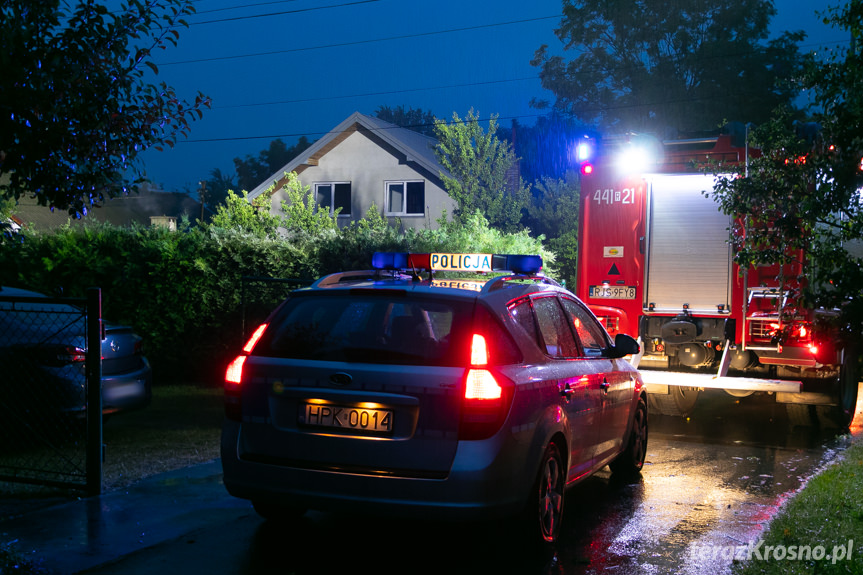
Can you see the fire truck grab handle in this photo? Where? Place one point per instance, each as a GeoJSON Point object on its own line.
{"type": "Point", "coordinates": [641, 245]}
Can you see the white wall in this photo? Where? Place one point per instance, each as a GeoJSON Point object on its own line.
{"type": "Point", "coordinates": [367, 166]}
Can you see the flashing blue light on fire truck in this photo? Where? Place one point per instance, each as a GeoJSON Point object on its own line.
{"type": "Point", "coordinates": [520, 264]}
{"type": "Point", "coordinates": [585, 151]}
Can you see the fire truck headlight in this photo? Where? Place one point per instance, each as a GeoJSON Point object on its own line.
{"type": "Point", "coordinates": [634, 158]}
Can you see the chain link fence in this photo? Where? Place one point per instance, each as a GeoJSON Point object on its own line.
{"type": "Point", "coordinates": [44, 393]}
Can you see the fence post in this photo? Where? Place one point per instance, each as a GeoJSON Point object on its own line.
{"type": "Point", "coordinates": [94, 391]}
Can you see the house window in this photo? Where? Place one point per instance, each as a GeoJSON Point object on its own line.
{"type": "Point", "coordinates": [334, 195]}
{"type": "Point", "coordinates": [406, 198]}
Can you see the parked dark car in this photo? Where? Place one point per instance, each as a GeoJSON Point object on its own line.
{"type": "Point", "coordinates": [382, 392]}
{"type": "Point", "coordinates": [43, 349]}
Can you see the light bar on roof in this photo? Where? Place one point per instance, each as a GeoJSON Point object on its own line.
{"type": "Point", "coordinates": [522, 264]}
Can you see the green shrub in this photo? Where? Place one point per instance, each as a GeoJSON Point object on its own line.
{"type": "Point", "coordinates": [183, 291]}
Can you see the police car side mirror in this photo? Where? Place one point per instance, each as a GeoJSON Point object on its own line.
{"type": "Point", "coordinates": [623, 345]}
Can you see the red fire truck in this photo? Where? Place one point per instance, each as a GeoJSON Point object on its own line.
{"type": "Point", "coordinates": [655, 262]}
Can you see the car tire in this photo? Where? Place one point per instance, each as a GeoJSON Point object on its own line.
{"type": "Point", "coordinates": [276, 512]}
{"type": "Point", "coordinates": [545, 508]}
{"type": "Point", "coordinates": [631, 460]}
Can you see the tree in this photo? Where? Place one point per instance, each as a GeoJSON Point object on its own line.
{"type": "Point", "coordinates": [253, 171]}
{"type": "Point", "coordinates": [553, 214]}
{"type": "Point", "coordinates": [546, 148]}
{"type": "Point", "coordinates": [804, 192]}
{"type": "Point", "coordinates": [218, 187]}
{"type": "Point", "coordinates": [416, 120]}
{"type": "Point", "coordinates": [479, 173]}
{"type": "Point", "coordinates": [659, 67]}
{"type": "Point", "coordinates": [254, 217]}
{"type": "Point", "coordinates": [76, 107]}
{"type": "Point", "coordinates": [302, 212]}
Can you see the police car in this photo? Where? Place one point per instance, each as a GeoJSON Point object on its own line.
{"type": "Point", "coordinates": [395, 391]}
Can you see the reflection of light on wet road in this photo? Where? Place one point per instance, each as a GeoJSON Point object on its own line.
{"type": "Point", "coordinates": [709, 490]}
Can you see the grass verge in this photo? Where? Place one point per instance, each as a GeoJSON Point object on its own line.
{"type": "Point", "coordinates": [179, 428]}
{"type": "Point", "coordinates": [820, 530]}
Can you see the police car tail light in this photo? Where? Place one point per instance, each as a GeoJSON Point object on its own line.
{"type": "Point", "coordinates": [233, 379]}
{"type": "Point", "coordinates": [487, 396]}
{"type": "Point", "coordinates": [234, 376]}
{"type": "Point", "coordinates": [481, 384]}
{"type": "Point", "coordinates": [478, 350]}
{"type": "Point", "coordinates": [253, 341]}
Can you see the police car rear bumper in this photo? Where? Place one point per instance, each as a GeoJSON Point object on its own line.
{"type": "Point", "coordinates": [475, 488]}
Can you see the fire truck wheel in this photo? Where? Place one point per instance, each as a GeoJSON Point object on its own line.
{"type": "Point", "coordinates": [679, 401]}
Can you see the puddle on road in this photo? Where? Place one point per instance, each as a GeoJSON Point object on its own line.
{"type": "Point", "coordinates": [713, 483]}
{"type": "Point", "coordinates": [713, 480]}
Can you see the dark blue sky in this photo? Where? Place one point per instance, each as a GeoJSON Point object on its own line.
{"type": "Point", "coordinates": [305, 65]}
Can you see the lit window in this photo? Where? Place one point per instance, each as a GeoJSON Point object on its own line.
{"type": "Point", "coordinates": [405, 198]}
{"type": "Point", "coordinates": [334, 195]}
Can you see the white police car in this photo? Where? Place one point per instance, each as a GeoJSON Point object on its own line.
{"type": "Point", "coordinates": [391, 391]}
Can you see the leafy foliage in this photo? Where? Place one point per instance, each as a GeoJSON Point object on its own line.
{"type": "Point", "coordinates": [416, 120]}
{"type": "Point", "coordinates": [180, 290]}
{"type": "Point", "coordinates": [217, 187]}
{"type": "Point", "coordinates": [650, 67]}
{"type": "Point", "coordinates": [252, 217]}
{"type": "Point", "coordinates": [183, 291]}
{"type": "Point", "coordinates": [553, 214]}
{"type": "Point", "coordinates": [554, 209]}
{"type": "Point", "coordinates": [76, 108]}
{"type": "Point", "coordinates": [803, 194]}
{"type": "Point", "coordinates": [546, 149]}
{"type": "Point", "coordinates": [252, 171]}
{"type": "Point", "coordinates": [302, 212]}
{"type": "Point", "coordinates": [477, 165]}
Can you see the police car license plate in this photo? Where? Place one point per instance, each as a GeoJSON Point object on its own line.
{"type": "Point", "coordinates": [612, 292]}
{"type": "Point", "coordinates": [347, 417]}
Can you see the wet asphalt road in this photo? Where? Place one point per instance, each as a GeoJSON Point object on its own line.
{"type": "Point", "coordinates": [714, 479]}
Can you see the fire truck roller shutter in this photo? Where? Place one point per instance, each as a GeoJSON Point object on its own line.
{"type": "Point", "coordinates": [689, 258]}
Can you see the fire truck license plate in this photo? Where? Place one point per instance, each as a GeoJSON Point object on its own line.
{"type": "Point", "coordinates": [612, 292]}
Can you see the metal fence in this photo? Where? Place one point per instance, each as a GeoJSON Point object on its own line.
{"type": "Point", "coordinates": [261, 295]}
{"type": "Point", "coordinates": [50, 417]}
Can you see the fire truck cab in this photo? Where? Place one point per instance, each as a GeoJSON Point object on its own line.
{"type": "Point", "coordinates": [655, 262]}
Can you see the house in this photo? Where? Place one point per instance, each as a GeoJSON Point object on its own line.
{"type": "Point", "coordinates": [147, 208]}
{"type": "Point", "coordinates": [365, 160]}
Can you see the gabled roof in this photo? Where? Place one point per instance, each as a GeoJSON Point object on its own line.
{"type": "Point", "coordinates": [416, 147]}
{"type": "Point", "coordinates": [120, 211]}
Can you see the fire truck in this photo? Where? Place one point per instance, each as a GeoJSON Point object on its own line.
{"type": "Point", "coordinates": [655, 262]}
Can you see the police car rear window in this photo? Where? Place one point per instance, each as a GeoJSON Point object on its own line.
{"type": "Point", "coordinates": [371, 329]}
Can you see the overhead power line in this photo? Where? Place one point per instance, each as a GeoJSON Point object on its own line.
{"type": "Point", "coordinates": [394, 127]}
{"type": "Point", "coordinates": [297, 11]}
{"type": "Point", "coordinates": [358, 42]}
{"type": "Point", "coordinates": [482, 120]}
{"type": "Point", "coordinates": [241, 6]}
{"type": "Point", "coordinates": [381, 93]}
